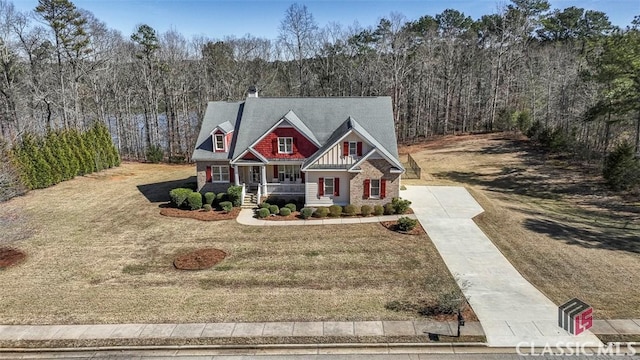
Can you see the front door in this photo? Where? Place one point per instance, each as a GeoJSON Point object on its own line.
{"type": "Point", "coordinates": [255, 174]}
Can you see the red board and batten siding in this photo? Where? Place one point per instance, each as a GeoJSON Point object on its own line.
{"type": "Point", "coordinates": [302, 147]}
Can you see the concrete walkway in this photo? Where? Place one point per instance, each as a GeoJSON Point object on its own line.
{"type": "Point", "coordinates": [510, 309]}
{"type": "Point", "coordinates": [269, 329]}
{"type": "Point", "coordinates": [246, 217]}
{"type": "Point", "coordinates": [236, 330]}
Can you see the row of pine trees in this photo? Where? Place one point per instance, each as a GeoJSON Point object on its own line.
{"type": "Point", "coordinates": [62, 155]}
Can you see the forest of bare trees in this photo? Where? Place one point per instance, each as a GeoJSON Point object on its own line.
{"type": "Point", "coordinates": [565, 73]}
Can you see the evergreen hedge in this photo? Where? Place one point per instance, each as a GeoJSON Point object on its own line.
{"type": "Point", "coordinates": [44, 161]}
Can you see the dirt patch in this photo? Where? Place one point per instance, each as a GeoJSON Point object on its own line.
{"type": "Point", "coordinates": [10, 257]}
{"type": "Point", "coordinates": [199, 260]}
{"type": "Point", "coordinates": [393, 226]}
{"type": "Point", "coordinates": [201, 215]}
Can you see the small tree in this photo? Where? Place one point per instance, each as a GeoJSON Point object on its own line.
{"type": "Point", "coordinates": [154, 154]}
{"type": "Point", "coordinates": [622, 168]}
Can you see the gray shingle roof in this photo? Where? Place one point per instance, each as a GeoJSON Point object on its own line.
{"type": "Point", "coordinates": [218, 113]}
{"type": "Point", "coordinates": [324, 118]}
{"type": "Point", "coordinates": [321, 115]}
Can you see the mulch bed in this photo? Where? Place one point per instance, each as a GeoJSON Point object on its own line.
{"type": "Point", "coordinates": [10, 256]}
{"type": "Point", "coordinates": [393, 226]}
{"type": "Point", "coordinates": [202, 215]}
{"type": "Point", "coordinates": [199, 260]}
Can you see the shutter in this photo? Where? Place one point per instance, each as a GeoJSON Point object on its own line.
{"type": "Point", "coordinates": [232, 175]}
{"type": "Point", "coordinates": [383, 188]}
{"type": "Point", "coordinates": [302, 177]}
{"type": "Point", "coordinates": [208, 174]}
{"type": "Point", "coordinates": [321, 187]}
{"type": "Point", "coordinates": [293, 146]}
{"type": "Point", "coordinates": [275, 171]}
{"type": "Point", "coordinates": [336, 186]}
{"type": "Point", "coordinates": [359, 146]}
{"type": "Point", "coordinates": [345, 148]}
{"type": "Point", "coordinates": [366, 189]}
{"type": "Point", "coordinates": [274, 144]}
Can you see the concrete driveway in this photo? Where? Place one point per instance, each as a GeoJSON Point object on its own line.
{"type": "Point", "coordinates": [510, 309]}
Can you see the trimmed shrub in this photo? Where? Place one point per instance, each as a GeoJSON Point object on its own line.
{"type": "Point", "coordinates": [366, 210]}
{"type": "Point", "coordinates": [195, 200]}
{"type": "Point", "coordinates": [265, 205]}
{"type": "Point", "coordinates": [209, 197]}
{"type": "Point", "coordinates": [389, 209]}
{"type": "Point", "coordinates": [306, 213]}
{"type": "Point", "coordinates": [378, 210]}
{"type": "Point", "coordinates": [406, 223]}
{"type": "Point", "coordinates": [234, 194]}
{"type": "Point", "coordinates": [285, 211]}
{"type": "Point", "coordinates": [263, 213]}
{"type": "Point", "coordinates": [222, 197]}
{"type": "Point", "coordinates": [335, 210]}
{"type": "Point", "coordinates": [207, 207]}
{"type": "Point", "coordinates": [154, 154]}
{"type": "Point", "coordinates": [226, 206]}
{"type": "Point", "coordinates": [274, 209]}
{"type": "Point", "coordinates": [179, 196]}
{"type": "Point", "coordinates": [400, 206]}
{"type": "Point", "coordinates": [351, 210]}
{"type": "Point", "coordinates": [291, 207]}
{"type": "Point", "coordinates": [321, 212]}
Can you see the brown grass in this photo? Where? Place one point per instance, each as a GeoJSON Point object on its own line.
{"type": "Point", "coordinates": [100, 252]}
{"type": "Point", "coordinates": [553, 219]}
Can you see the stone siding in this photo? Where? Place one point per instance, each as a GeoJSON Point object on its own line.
{"type": "Point", "coordinates": [374, 169]}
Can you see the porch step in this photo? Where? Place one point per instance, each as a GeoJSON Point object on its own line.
{"type": "Point", "coordinates": [250, 201]}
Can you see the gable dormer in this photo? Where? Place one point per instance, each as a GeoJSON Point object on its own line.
{"type": "Point", "coordinates": [221, 137]}
{"type": "Point", "coordinates": [289, 138]}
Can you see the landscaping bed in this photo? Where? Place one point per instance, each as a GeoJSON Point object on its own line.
{"type": "Point", "coordinates": [10, 256]}
{"type": "Point", "coordinates": [393, 226]}
{"type": "Point", "coordinates": [203, 215]}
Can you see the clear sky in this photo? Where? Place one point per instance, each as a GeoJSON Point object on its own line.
{"type": "Point", "coordinates": [261, 18]}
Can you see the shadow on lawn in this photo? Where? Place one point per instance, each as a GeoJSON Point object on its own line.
{"type": "Point", "coordinates": [159, 192]}
{"type": "Point", "coordinates": [600, 238]}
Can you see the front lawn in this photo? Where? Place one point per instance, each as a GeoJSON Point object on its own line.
{"type": "Point", "coordinates": [98, 251]}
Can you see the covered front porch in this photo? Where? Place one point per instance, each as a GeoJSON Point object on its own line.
{"type": "Point", "coordinates": [270, 179]}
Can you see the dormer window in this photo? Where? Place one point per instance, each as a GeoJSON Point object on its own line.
{"type": "Point", "coordinates": [218, 140]}
{"type": "Point", "coordinates": [285, 145]}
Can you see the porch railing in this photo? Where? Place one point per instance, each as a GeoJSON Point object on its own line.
{"type": "Point", "coordinates": [244, 193]}
{"type": "Point", "coordinates": [284, 189]}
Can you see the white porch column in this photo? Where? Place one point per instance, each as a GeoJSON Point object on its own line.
{"type": "Point", "coordinates": [263, 178]}
{"type": "Point", "coordinates": [236, 176]}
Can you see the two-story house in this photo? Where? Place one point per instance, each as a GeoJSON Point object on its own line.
{"type": "Point", "coordinates": [334, 150]}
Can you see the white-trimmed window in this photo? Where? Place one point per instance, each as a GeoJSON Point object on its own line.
{"type": "Point", "coordinates": [288, 172]}
{"type": "Point", "coordinates": [353, 148]}
{"type": "Point", "coordinates": [285, 145]}
{"type": "Point", "coordinates": [329, 186]}
{"type": "Point", "coordinates": [374, 190]}
{"type": "Point", "coordinates": [220, 174]}
{"type": "Point", "coordinates": [218, 141]}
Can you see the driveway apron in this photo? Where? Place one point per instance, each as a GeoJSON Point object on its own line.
{"type": "Point", "coordinates": [511, 310]}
